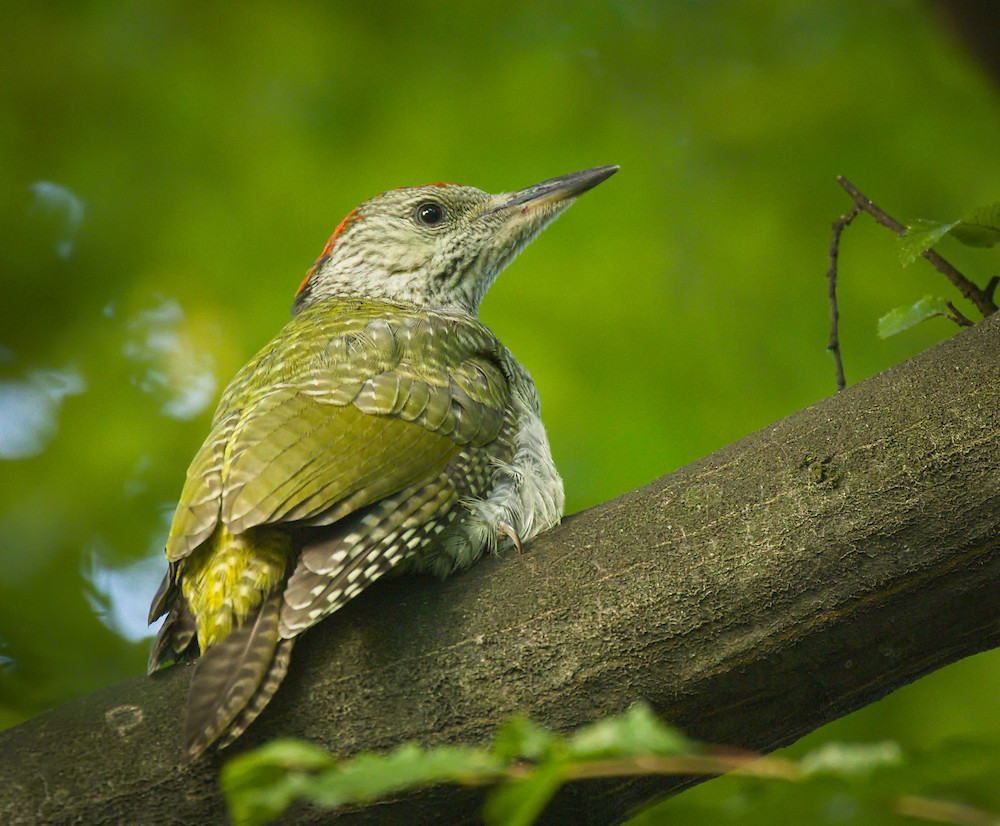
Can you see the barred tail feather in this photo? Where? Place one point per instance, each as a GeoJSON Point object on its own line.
{"type": "Point", "coordinates": [275, 674]}
{"type": "Point", "coordinates": [229, 676]}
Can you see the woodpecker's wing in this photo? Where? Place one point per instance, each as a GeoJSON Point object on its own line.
{"type": "Point", "coordinates": [384, 406]}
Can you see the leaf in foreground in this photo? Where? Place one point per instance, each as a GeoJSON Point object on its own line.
{"type": "Point", "coordinates": [526, 764]}
{"type": "Point", "coordinates": [261, 784]}
{"type": "Point", "coordinates": [520, 802]}
{"type": "Point", "coordinates": [636, 732]}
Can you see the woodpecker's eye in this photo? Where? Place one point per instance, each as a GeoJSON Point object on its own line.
{"type": "Point", "coordinates": [430, 213]}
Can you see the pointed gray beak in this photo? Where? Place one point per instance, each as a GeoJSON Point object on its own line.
{"type": "Point", "coordinates": [557, 189]}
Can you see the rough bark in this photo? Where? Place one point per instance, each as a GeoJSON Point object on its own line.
{"type": "Point", "coordinates": [782, 582]}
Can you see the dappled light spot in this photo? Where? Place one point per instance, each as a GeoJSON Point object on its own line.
{"type": "Point", "coordinates": [170, 367]}
{"type": "Point", "coordinates": [62, 209]}
{"type": "Point", "coordinates": [29, 410]}
{"type": "Point", "coordinates": [119, 594]}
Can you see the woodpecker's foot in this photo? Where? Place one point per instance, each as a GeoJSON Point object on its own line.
{"type": "Point", "coordinates": [505, 528]}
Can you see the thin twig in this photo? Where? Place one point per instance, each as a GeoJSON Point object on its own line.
{"type": "Point", "coordinates": [991, 286]}
{"type": "Point", "coordinates": [959, 318]}
{"type": "Point", "coordinates": [944, 811]}
{"type": "Point", "coordinates": [834, 345]}
{"type": "Point", "coordinates": [755, 766]}
{"type": "Point", "coordinates": [983, 301]}
{"type": "Point", "coordinates": [746, 764]}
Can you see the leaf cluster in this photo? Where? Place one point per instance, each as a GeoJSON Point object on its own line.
{"type": "Point", "coordinates": [526, 764]}
{"type": "Point", "coordinates": [980, 228]}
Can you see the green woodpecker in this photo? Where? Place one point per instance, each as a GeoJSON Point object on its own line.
{"type": "Point", "coordinates": [384, 428]}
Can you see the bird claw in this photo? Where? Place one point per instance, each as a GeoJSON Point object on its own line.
{"type": "Point", "coordinates": [505, 528]}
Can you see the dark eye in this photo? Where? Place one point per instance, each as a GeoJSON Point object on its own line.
{"type": "Point", "coordinates": [430, 213]}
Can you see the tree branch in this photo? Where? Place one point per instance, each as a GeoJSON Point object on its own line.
{"type": "Point", "coordinates": [782, 582]}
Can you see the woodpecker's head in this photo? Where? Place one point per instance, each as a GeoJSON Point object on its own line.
{"type": "Point", "coordinates": [437, 246]}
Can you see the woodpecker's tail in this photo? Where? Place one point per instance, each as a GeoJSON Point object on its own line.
{"type": "Point", "coordinates": [177, 638]}
{"type": "Point", "coordinates": [235, 679]}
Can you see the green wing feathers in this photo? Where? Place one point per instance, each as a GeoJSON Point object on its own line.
{"type": "Point", "coordinates": [371, 413]}
{"type": "Point", "coordinates": [304, 458]}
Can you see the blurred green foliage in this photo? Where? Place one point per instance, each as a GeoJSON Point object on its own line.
{"type": "Point", "coordinates": [171, 170]}
{"type": "Point", "coordinates": [526, 764]}
{"type": "Point", "coordinates": [865, 784]}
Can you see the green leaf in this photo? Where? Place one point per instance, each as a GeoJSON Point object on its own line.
{"type": "Point", "coordinates": [520, 737]}
{"type": "Point", "coordinates": [259, 785]}
{"type": "Point", "coordinates": [372, 776]}
{"type": "Point", "coordinates": [637, 731]}
{"type": "Point", "coordinates": [922, 235]}
{"type": "Point", "coordinates": [902, 318]}
{"type": "Point", "coordinates": [980, 228]}
{"type": "Point", "coordinates": [520, 802]}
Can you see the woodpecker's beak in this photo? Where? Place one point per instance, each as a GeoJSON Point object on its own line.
{"type": "Point", "coordinates": [555, 190]}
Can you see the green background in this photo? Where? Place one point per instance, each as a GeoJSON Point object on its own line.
{"type": "Point", "coordinates": [171, 170]}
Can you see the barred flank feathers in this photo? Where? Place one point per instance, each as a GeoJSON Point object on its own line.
{"type": "Point", "coordinates": [228, 676]}
{"type": "Point", "coordinates": [332, 571]}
